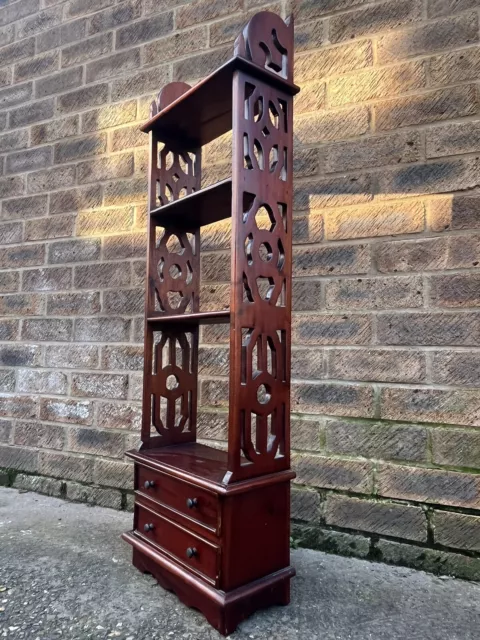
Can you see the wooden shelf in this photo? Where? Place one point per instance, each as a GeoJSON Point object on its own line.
{"type": "Point", "coordinates": [192, 458]}
{"type": "Point", "coordinates": [205, 111]}
{"type": "Point", "coordinates": [198, 209]}
{"type": "Point", "coordinates": [203, 317]}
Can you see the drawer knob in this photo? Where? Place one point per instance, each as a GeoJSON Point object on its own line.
{"type": "Point", "coordinates": [148, 527]}
{"type": "Point", "coordinates": [191, 552]}
{"type": "Point", "coordinates": [192, 502]}
{"type": "Point", "coordinates": [149, 484]}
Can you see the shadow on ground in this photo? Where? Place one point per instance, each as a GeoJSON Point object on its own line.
{"type": "Point", "coordinates": [65, 573]}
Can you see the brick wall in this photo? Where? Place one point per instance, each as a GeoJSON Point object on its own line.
{"type": "Point", "coordinates": [386, 367]}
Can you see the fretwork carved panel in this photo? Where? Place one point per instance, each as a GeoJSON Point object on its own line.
{"type": "Point", "coordinates": [174, 271]}
{"type": "Point", "coordinates": [270, 47]}
{"type": "Point", "coordinates": [259, 401]}
{"type": "Point", "coordinates": [173, 384]}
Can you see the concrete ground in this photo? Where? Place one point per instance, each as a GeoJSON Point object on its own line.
{"type": "Point", "coordinates": [65, 573]}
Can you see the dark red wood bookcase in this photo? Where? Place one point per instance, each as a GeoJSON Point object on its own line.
{"type": "Point", "coordinates": [213, 525]}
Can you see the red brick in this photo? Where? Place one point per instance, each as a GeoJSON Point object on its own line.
{"type": "Point", "coordinates": [382, 518]}
{"type": "Point", "coordinates": [330, 473]}
{"type": "Point", "coordinates": [66, 467]}
{"type": "Point", "coordinates": [333, 61]}
{"type": "Point", "coordinates": [455, 290]}
{"type": "Point", "coordinates": [457, 530]}
{"type": "Point", "coordinates": [38, 435]}
{"type": "Point", "coordinates": [429, 485]}
{"type": "Point", "coordinates": [456, 447]}
{"type": "Point", "coordinates": [374, 293]}
{"type": "Point", "coordinates": [69, 411]}
{"type": "Point", "coordinates": [425, 108]}
{"type": "Point", "coordinates": [340, 259]}
{"type": "Point", "coordinates": [95, 442]}
{"type": "Point", "coordinates": [331, 329]}
{"type": "Point", "coordinates": [376, 83]}
{"type": "Point", "coordinates": [431, 405]}
{"type": "Point", "coordinates": [381, 365]}
{"type": "Point", "coordinates": [429, 329]}
{"type": "Point", "coordinates": [376, 440]}
{"type": "Point", "coordinates": [99, 385]}
{"type": "Point", "coordinates": [333, 399]}
{"type": "Point", "coordinates": [450, 33]}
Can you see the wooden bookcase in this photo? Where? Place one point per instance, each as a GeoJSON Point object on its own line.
{"type": "Point", "coordinates": [209, 524]}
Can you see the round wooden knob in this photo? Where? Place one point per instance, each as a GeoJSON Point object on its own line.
{"type": "Point", "coordinates": [149, 484]}
{"type": "Point", "coordinates": [191, 552]}
{"type": "Point", "coordinates": [148, 527]}
{"type": "Point", "coordinates": [192, 502]}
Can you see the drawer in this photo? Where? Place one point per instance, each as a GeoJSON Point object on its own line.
{"type": "Point", "coordinates": [187, 499]}
{"type": "Point", "coordinates": [192, 551]}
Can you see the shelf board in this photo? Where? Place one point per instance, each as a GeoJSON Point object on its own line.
{"type": "Point", "coordinates": [198, 209]}
{"type": "Point", "coordinates": [202, 317]}
{"type": "Point", "coordinates": [204, 112]}
{"type": "Point", "coordinates": [191, 458]}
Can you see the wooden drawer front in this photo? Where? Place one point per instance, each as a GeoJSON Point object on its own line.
{"type": "Point", "coordinates": [178, 495]}
{"type": "Point", "coordinates": [189, 549]}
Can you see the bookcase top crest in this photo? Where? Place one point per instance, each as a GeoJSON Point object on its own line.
{"type": "Point", "coordinates": [193, 116]}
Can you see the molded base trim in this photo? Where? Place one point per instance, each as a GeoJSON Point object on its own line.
{"type": "Point", "coordinates": [223, 610]}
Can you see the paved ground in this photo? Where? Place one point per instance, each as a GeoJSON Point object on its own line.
{"type": "Point", "coordinates": [65, 573]}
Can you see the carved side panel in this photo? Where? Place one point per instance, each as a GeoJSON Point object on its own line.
{"type": "Point", "coordinates": [261, 264]}
{"type": "Point", "coordinates": [173, 277]}
{"type": "Point", "coordinates": [268, 41]}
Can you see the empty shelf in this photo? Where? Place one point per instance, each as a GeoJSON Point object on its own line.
{"type": "Point", "coordinates": [198, 209]}
{"type": "Point", "coordinates": [204, 112]}
{"type": "Point", "coordinates": [202, 317]}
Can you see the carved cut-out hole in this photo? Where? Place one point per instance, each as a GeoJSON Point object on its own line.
{"type": "Point", "coordinates": [265, 252]}
{"type": "Point", "coordinates": [264, 394]}
{"type": "Point", "coordinates": [282, 210]}
{"type": "Point", "coordinates": [258, 109]}
{"type": "Point", "coordinates": [159, 233]}
{"type": "Point", "coordinates": [158, 303]}
{"type": "Point", "coordinates": [175, 271]}
{"type": "Point", "coordinates": [283, 120]}
{"type": "Point", "coordinates": [246, 336]}
{"type": "Point", "coordinates": [168, 192]}
{"type": "Point", "coordinates": [179, 418]}
{"type": "Point", "coordinates": [169, 159]}
{"type": "Point", "coordinates": [281, 256]}
{"type": "Point", "coordinates": [265, 287]}
{"type": "Point", "coordinates": [174, 299]}
{"type": "Point", "coordinates": [160, 268]}
{"type": "Point", "coordinates": [175, 178]}
{"type": "Point", "coordinates": [255, 360]}
{"type": "Point", "coordinates": [273, 115]}
{"type": "Point", "coordinates": [249, 248]}
{"type": "Point", "coordinates": [264, 218]}
{"type": "Point", "coordinates": [174, 245]}
{"type": "Point", "coordinates": [258, 152]}
{"type": "Point", "coordinates": [273, 158]}
{"type": "Point", "coordinates": [283, 172]}
{"type": "Point", "coordinates": [247, 292]}
{"type": "Point", "coordinates": [249, 89]}
{"type": "Point", "coordinates": [271, 358]}
{"type": "Point", "coordinates": [192, 242]}
{"type": "Point", "coordinates": [248, 200]}
{"type": "Point", "coordinates": [182, 164]}
{"type": "Point", "coordinates": [281, 298]}
{"type": "Point", "coordinates": [265, 132]}
{"type": "Point", "coordinates": [183, 192]}
{"type": "Point", "coordinates": [189, 277]}
{"type": "Point", "coordinates": [171, 382]}
{"type": "Point", "coordinates": [247, 161]}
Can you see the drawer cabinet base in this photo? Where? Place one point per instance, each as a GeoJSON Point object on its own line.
{"type": "Point", "coordinates": [223, 549]}
{"type": "Point", "coordinates": [223, 610]}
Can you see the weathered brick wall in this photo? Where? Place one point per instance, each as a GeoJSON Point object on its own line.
{"type": "Point", "coordinates": [386, 326]}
